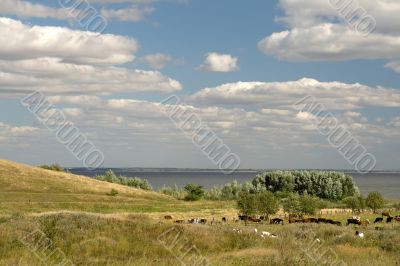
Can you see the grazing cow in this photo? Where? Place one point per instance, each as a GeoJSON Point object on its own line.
{"type": "Point", "coordinates": [310, 220]}
{"type": "Point", "coordinates": [378, 220]}
{"type": "Point", "coordinates": [255, 220]}
{"type": "Point", "coordinates": [179, 221]}
{"type": "Point", "coordinates": [338, 223]}
{"type": "Point", "coordinates": [364, 223]}
{"type": "Point", "coordinates": [359, 234]}
{"type": "Point", "coordinates": [389, 220]}
{"type": "Point", "coordinates": [276, 221]}
{"type": "Point", "coordinates": [353, 221]}
{"type": "Point", "coordinates": [203, 221]}
{"type": "Point", "coordinates": [387, 214]}
{"type": "Point", "coordinates": [168, 217]}
{"type": "Point", "coordinates": [243, 217]}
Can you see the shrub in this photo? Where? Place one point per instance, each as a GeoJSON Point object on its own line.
{"type": "Point", "coordinates": [194, 192]}
{"type": "Point", "coordinates": [54, 167]}
{"type": "Point", "coordinates": [113, 193]}
{"type": "Point", "coordinates": [375, 201]}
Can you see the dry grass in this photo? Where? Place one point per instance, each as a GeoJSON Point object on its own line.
{"type": "Point", "coordinates": [92, 228]}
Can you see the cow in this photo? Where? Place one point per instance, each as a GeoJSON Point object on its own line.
{"type": "Point", "coordinates": [255, 220]}
{"type": "Point", "coordinates": [310, 220]}
{"type": "Point", "coordinates": [397, 218]}
{"type": "Point", "coordinates": [203, 221]}
{"type": "Point", "coordinates": [389, 219]}
{"type": "Point", "coordinates": [387, 214]}
{"type": "Point", "coordinates": [337, 223]}
{"type": "Point", "coordinates": [243, 217]}
{"type": "Point", "coordinates": [224, 219]}
{"type": "Point", "coordinates": [168, 217]}
{"type": "Point", "coordinates": [378, 220]}
{"type": "Point", "coordinates": [353, 221]}
{"type": "Point", "coordinates": [276, 221]}
{"type": "Point", "coordinates": [364, 223]}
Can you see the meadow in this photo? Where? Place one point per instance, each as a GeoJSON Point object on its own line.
{"type": "Point", "coordinates": [79, 217]}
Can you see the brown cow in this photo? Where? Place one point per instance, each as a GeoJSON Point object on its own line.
{"type": "Point", "coordinates": [387, 214]}
{"type": "Point", "coordinates": [397, 218]}
{"type": "Point", "coordinates": [168, 217]}
{"type": "Point", "coordinates": [364, 223]}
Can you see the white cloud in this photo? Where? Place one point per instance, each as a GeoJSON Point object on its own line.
{"type": "Point", "coordinates": [20, 41]}
{"type": "Point", "coordinates": [216, 62]}
{"type": "Point", "coordinates": [52, 76]}
{"type": "Point", "coordinates": [319, 33]}
{"type": "Point", "coordinates": [157, 61]}
{"type": "Point", "coordinates": [334, 95]}
{"type": "Point", "coordinates": [62, 61]}
{"type": "Point", "coordinates": [26, 9]}
{"type": "Point", "coordinates": [133, 14]}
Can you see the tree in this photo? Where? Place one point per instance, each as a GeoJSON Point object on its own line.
{"type": "Point", "coordinates": [308, 205]}
{"type": "Point", "coordinates": [375, 201]}
{"type": "Point", "coordinates": [194, 192]}
{"type": "Point", "coordinates": [247, 203]}
{"type": "Point", "coordinates": [267, 204]}
{"type": "Point", "coordinates": [291, 204]}
{"type": "Point", "coordinates": [355, 203]}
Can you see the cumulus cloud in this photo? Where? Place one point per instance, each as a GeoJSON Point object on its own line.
{"type": "Point", "coordinates": [216, 62]}
{"type": "Point", "coordinates": [27, 9]}
{"type": "Point", "coordinates": [157, 61]}
{"type": "Point", "coordinates": [52, 76]}
{"type": "Point", "coordinates": [334, 95]}
{"type": "Point", "coordinates": [319, 32]}
{"type": "Point", "coordinates": [57, 60]}
{"type": "Point", "coordinates": [20, 41]}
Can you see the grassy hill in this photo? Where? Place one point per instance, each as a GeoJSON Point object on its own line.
{"type": "Point", "coordinates": [75, 214]}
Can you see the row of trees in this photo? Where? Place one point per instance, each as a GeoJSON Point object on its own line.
{"type": "Point", "coordinates": [135, 182]}
{"type": "Point", "coordinates": [323, 184]}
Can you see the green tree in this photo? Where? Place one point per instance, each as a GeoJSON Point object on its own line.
{"type": "Point", "coordinates": [194, 192]}
{"type": "Point", "coordinates": [355, 203]}
{"type": "Point", "coordinates": [247, 203]}
{"type": "Point", "coordinates": [267, 204]}
{"type": "Point", "coordinates": [308, 205]}
{"type": "Point", "coordinates": [375, 201]}
{"type": "Point", "coordinates": [291, 204]}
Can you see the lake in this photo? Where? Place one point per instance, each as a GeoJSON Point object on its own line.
{"type": "Point", "coordinates": [387, 183]}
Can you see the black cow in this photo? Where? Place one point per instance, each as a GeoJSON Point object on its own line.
{"type": "Point", "coordinates": [353, 221]}
{"type": "Point", "coordinates": [378, 220]}
{"type": "Point", "coordinates": [389, 219]}
{"type": "Point", "coordinates": [276, 221]}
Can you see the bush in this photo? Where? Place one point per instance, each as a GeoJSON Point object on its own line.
{"type": "Point", "coordinates": [113, 193]}
{"type": "Point", "coordinates": [54, 167]}
{"type": "Point", "coordinates": [301, 204]}
{"type": "Point", "coordinates": [375, 201]}
{"type": "Point", "coordinates": [355, 203]}
{"type": "Point", "coordinates": [194, 192]}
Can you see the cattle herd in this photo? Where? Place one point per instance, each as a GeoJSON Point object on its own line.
{"type": "Point", "coordinates": [292, 219]}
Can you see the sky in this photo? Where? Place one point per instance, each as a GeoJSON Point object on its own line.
{"type": "Point", "coordinates": [240, 66]}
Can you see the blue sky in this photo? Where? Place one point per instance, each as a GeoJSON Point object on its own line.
{"type": "Point", "coordinates": [254, 57]}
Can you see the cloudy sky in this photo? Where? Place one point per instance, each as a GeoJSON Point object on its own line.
{"type": "Point", "coordinates": [239, 65]}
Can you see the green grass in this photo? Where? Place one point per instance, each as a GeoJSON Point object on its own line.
{"type": "Point", "coordinates": [93, 228]}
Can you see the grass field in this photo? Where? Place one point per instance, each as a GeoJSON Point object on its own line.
{"type": "Point", "coordinates": [77, 217]}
